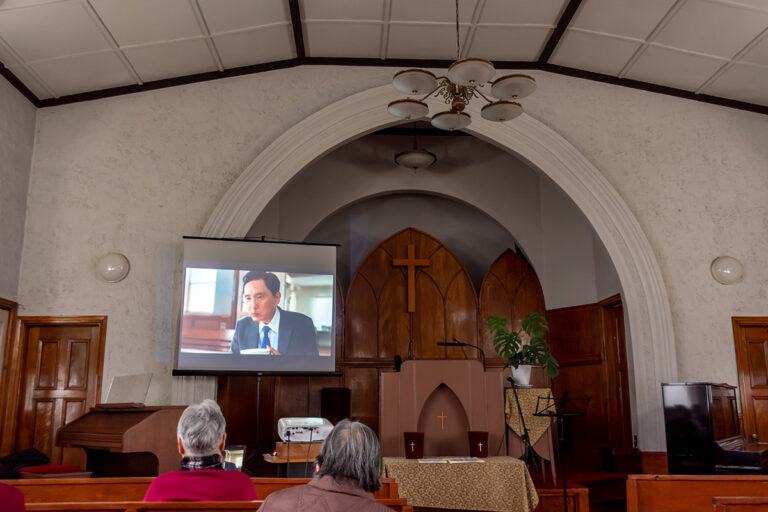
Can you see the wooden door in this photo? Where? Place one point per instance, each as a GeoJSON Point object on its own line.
{"type": "Point", "coordinates": [61, 380]}
{"type": "Point", "coordinates": [617, 374]}
{"type": "Point", "coordinates": [750, 334]}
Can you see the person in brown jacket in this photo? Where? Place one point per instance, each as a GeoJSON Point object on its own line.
{"type": "Point", "coordinates": [348, 473]}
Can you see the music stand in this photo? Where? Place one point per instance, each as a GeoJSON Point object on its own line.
{"type": "Point", "coordinates": [562, 408]}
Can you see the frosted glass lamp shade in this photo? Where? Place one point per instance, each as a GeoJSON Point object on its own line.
{"type": "Point", "coordinates": [408, 109]}
{"type": "Point", "coordinates": [727, 270]}
{"type": "Point", "coordinates": [513, 87]}
{"type": "Point", "coordinates": [451, 120]}
{"type": "Point", "coordinates": [471, 72]}
{"type": "Point", "coordinates": [113, 267]}
{"type": "Point", "coordinates": [501, 111]}
{"type": "Point", "coordinates": [414, 82]}
{"type": "Point", "coordinates": [415, 159]}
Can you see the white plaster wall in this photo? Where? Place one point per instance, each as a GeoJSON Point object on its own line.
{"type": "Point", "coordinates": [135, 173]}
{"type": "Point", "coordinates": [17, 136]}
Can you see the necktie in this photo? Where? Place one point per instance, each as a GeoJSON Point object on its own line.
{"type": "Point", "coordinates": [265, 337]}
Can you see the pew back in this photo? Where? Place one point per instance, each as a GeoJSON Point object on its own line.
{"type": "Point", "coordinates": [397, 505]}
{"type": "Point", "coordinates": [686, 493]}
{"type": "Point", "coordinates": [740, 504]}
{"type": "Point", "coordinates": [55, 490]}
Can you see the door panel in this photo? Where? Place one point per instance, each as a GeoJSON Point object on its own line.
{"type": "Point", "coordinates": [750, 336]}
{"type": "Point", "coordinates": [61, 380]}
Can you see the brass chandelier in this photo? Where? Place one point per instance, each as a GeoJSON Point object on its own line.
{"type": "Point", "coordinates": [463, 82]}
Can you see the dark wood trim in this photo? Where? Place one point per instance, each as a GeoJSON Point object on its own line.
{"type": "Point", "coordinates": [15, 359]}
{"type": "Point", "coordinates": [611, 302]}
{"type": "Point", "coordinates": [557, 34]}
{"type": "Point", "coordinates": [19, 85]}
{"type": "Point", "coordinates": [394, 63]}
{"type": "Point", "coordinates": [5, 379]}
{"type": "Point", "coordinates": [298, 33]}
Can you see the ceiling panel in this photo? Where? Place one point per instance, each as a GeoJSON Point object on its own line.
{"type": "Point", "coordinates": [420, 41]}
{"type": "Point", "coordinates": [342, 9]}
{"type": "Point", "coordinates": [432, 10]}
{"type": "Point", "coordinates": [577, 50]}
{"type": "Point", "coordinates": [332, 39]}
{"type": "Point", "coordinates": [51, 30]}
{"type": "Point", "coordinates": [758, 54]}
{"type": "Point", "coordinates": [665, 66]}
{"type": "Point", "coordinates": [169, 20]}
{"type": "Point", "coordinates": [743, 82]}
{"type": "Point", "coordinates": [694, 26]}
{"type": "Point", "coordinates": [237, 14]}
{"type": "Point", "coordinates": [177, 58]}
{"type": "Point", "coordinates": [629, 18]}
{"type": "Point", "coordinates": [87, 72]}
{"type": "Point", "coordinates": [508, 43]}
{"type": "Point", "coordinates": [541, 12]}
{"type": "Point", "coordinates": [255, 46]}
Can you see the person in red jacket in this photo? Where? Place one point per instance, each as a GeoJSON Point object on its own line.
{"type": "Point", "coordinates": [348, 473]}
{"type": "Point", "coordinates": [11, 499]}
{"type": "Point", "coordinates": [201, 437]}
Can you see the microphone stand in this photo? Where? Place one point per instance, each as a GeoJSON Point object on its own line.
{"type": "Point", "coordinates": [457, 343]}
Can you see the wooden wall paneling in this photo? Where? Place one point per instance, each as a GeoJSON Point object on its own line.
{"type": "Point", "coordinates": [291, 396]}
{"type": "Point", "coordinates": [461, 315]}
{"type": "Point", "coordinates": [393, 321]}
{"type": "Point", "coordinates": [510, 288]}
{"type": "Point", "coordinates": [429, 321]}
{"type": "Point", "coordinates": [364, 403]}
{"type": "Point", "coordinates": [361, 320]}
{"type": "Point", "coordinates": [238, 400]}
{"type": "Point", "coordinates": [750, 335]}
{"type": "Point", "coordinates": [339, 319]}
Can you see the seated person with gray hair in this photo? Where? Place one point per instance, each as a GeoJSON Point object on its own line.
{"type": "Point", "coordinates": [201, 436]}
{"type": "Point", "coordinates": [348, 472]}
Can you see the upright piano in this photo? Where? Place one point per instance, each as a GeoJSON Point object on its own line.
{"type": "Point", "coordinates": [703, 436]}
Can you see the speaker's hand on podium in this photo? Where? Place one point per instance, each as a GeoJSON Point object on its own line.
{"type": "Point", "coordinates": [273, 352]}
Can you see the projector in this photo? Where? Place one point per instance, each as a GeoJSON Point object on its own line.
{"type": "Point", "coordinates": [300, 430]}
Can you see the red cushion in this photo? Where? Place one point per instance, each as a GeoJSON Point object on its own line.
{"type": "Point", "coordinates": [51, 468]}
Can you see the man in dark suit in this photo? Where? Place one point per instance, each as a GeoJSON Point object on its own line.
{"type": "Point", "coordinates": [268, 326]}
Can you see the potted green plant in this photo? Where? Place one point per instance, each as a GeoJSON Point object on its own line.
{"type": "Point", "coordinates": [509, 344]}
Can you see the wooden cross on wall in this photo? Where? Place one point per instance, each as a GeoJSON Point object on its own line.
{"type": "Point", "coordinates": [411, 262]}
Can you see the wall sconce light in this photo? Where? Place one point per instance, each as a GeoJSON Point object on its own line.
{"type": "Point", "coordinates": [113, 267]}
{"type": "Point", "coordinates": [727, 270]}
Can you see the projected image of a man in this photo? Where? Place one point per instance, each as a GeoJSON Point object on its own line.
{"type": "Point", "coordinates": [268, 326]}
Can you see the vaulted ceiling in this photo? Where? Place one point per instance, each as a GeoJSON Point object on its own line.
{"type": "Point", "coordinates": [58, 51]}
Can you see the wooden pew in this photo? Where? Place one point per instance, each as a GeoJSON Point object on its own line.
{"type": "Point", "coordinates": [688, 493]}
{"type": "Point", "coordinates": [51, 490]}
{"type": "Point", "coordinates": [398, 505]}
{"type": "Point", "coordinates": [742, 504]}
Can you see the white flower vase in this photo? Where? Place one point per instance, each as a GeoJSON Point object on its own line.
{"type": "Point", "coordinates": [522, 375]}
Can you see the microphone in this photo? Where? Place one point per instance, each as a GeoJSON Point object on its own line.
{"type": "Point", "coordinates": [457, 343]}
{"type": "Point", "coordinates": [398, 362]}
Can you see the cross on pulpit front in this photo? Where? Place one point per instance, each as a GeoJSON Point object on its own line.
{"type": "Point", "coordinates": [442, 417]}
{"type": "Point", "coordinates": [411, 262]}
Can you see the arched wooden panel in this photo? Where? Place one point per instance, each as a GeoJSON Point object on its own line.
{"type": "Point", "coordinates": [510, 288]}
{"type": "Point", "coordinates": [428, 320]}
{"type": "Point", "coordinates": [461, 315]}
{"type": "Point", "coordinates": [360, 320]}
{"type": "Point", "coordinates": [394, 330]}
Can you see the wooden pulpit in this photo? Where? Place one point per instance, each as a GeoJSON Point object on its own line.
{"type": "Point", "coordinates": [444, 399]}
{"type": "Point", "coordinates": [121, 442]}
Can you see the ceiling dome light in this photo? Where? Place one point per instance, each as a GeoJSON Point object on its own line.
{"type": "Point", "coordinates": [501, 111]}
{"type": "Point", "coordinates": [471, 72]}
{"type": "Point", "coordinates": [415, 159]}
{"type": "Point", "coordinates": [451, 120]}
{"type": "Point", "coordinates": [408, 109]}
{"type": "Point", "coordinates": [415, 82]}
{"type": "Point", "coordinates": [513, 87]}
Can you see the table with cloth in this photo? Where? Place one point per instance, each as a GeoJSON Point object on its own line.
{"type": "Point", "coordinates": [497, 484]}
{"type": "Point", "coordinates": [539, 427]}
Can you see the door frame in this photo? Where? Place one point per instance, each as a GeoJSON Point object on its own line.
{"type": "Point", "coordinates": [13, 367]}
{"type": "Point", "coordinates": [12, 308]}
{"type": "Point", "coordinates": [742, 366]}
